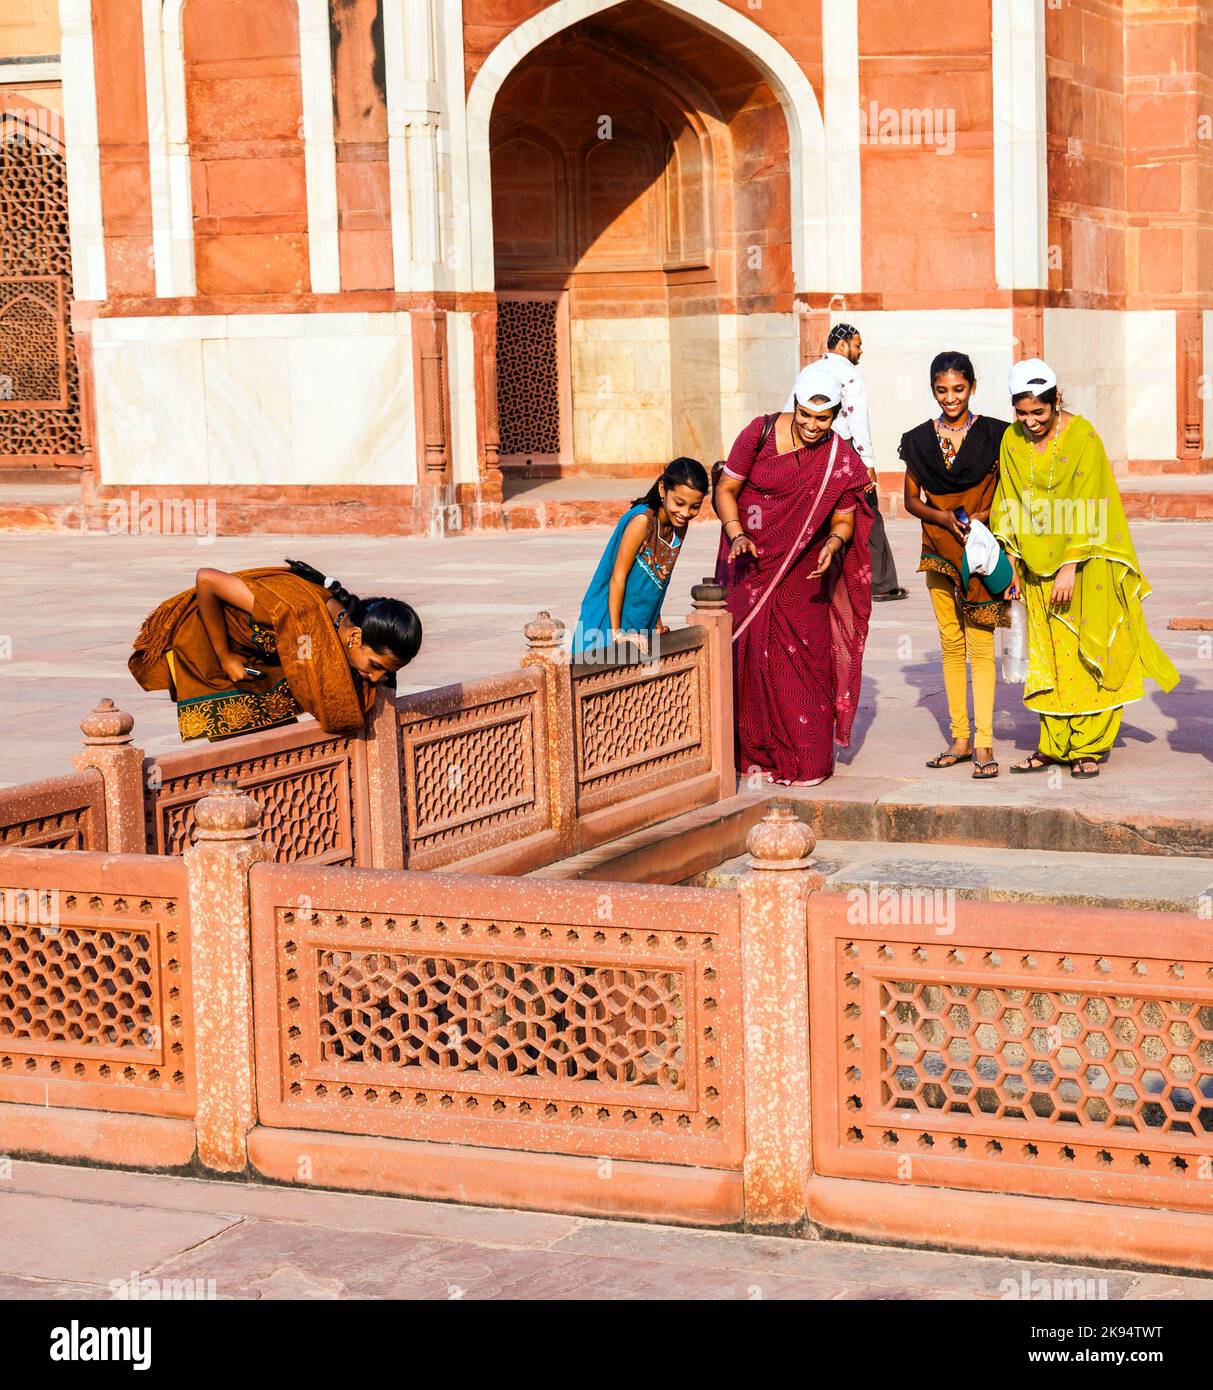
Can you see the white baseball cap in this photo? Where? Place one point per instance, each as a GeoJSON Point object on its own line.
{"type": "Point", "coordinates": [1033, 375]}
{"type": "Point", "coordinates": [816, 381]}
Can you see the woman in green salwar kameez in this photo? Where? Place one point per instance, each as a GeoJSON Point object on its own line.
{"type": "Point", "coordinates": [1058, 513]}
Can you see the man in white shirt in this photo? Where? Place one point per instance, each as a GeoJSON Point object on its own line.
{"type": "Point", "coordinates": [844, 347]}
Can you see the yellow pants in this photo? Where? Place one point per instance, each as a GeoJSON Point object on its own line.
{"type": "Point", "coordinates": [959, 637]}
{"type": "Point", "coordinates": [1070, 737]}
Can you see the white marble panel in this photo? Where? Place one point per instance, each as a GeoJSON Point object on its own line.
{"type": "Point", "coordinates": [151, 413]}
{"type": "Point", "coordinates": [461, 350]}
{"type": "Point", "coordinates": [248, 412]}
{"type": "Point", "coordinates": [352, 411]}
{"type": "Point", "coordinates": [1118, 370]}
{"type": "Point", "coordinates": [1148, 384]}
{"type": "Point", "coordinates": [898, 348]}
{"type": "Point", "coordinates": [160, 328]}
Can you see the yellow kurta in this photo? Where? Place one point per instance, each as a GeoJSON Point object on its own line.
{"type": "Point", "coordinates": [1059, 507]}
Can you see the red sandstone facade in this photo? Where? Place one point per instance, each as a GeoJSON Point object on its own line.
{"type": "Point", "coordinates": [389, 250]}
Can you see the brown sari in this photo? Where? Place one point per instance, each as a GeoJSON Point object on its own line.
{"type": "Point", "coordinates": [289, 637]}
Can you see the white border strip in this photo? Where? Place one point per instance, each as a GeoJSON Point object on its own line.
{"type": "Point", "coordinates": [16, 72]}
{"type": "Point", "coordinates": [840, 71]}
{"type": "Point", "coordinates": [1021, 200]}
{"type": "Point", "coordinates": [319, 149]}
{"type": "Point", "coordinates": [168, 149]}
{"type": "Point", "coordinates": [85, 223]}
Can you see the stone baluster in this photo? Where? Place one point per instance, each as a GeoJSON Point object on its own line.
{"type": "Point", "coordinates": [545, 649]}
{"type": "Point", "coordinates": [226, 846]}
{"type": "Point", "coordinates": [710, 612]}
{"type": "Point", "coordinates": [383, 775]}
{"type": "Point", "coordinates": [775, 971]}
{"type": "Point", "coordinates": [108, 748]}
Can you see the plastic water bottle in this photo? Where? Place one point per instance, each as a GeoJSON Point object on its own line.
{"type": "Point", "coordinates": [1015, 646]}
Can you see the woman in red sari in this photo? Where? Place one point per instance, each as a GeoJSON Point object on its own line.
{"type": "Point", "coordinates": [794, 559]}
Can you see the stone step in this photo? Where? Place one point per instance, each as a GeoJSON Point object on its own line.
{"type": "Point", "coordinates": [879, 874]}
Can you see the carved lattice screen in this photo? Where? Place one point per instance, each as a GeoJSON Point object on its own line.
{"type": "Point", "coordinates": [39, 389]}
{"type": "Point", "coordinates": [528, 377]}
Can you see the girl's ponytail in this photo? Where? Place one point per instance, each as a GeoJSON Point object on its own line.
{"type": "Point", "coordinates": [388, 625]}
{"type": "Point", "coordinates": [681, 472]}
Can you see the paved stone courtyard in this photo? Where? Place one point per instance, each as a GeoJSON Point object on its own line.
{"type": "Point", "coordinates": [260, 1242]}
{"type": "Point", "coordinates": [71, 606]}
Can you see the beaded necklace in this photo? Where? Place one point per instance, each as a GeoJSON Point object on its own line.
{"type": "Point", "coordinates": [948, 447]}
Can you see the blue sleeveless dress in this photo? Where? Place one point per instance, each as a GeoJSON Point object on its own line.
{"type": "Point", "coordinates": [645, 591]}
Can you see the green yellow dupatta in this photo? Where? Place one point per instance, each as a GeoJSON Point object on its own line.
{"type": "Point", "coordinates": [1063, 506]}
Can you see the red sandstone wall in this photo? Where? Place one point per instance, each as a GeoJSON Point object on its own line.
{"type": "Point", "coordinates": [245, 117]}
{"type": "Point", "coordinates": [360, 115]}
{"type": "Point", "coordinates": [796, 23]}
{"type": "Point", "coordinates": [1170, 168]}
{"type": "Point", "coordinates": [122, 133]}
{"type": "Point", "coordinates": [1086, 154]}
{"type": "Point", "coordinates": [928, 218]}
{"type": "Point", "coordinates": [623, 224]}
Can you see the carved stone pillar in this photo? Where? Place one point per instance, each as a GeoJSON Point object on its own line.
{"type": "Point", "coordinates": [484, 335]}
{"type": "Point", "coordinates": [226, 846]}
{"type": "Point", "coordinates": [1189, 367]}
{"type": "Point", "coordinates": [814, 330]}
{"type": "Point", "coordinates": [775, 1002]}
{"type": "Point", "coordinates": [1027, 323]}
{"type": "Point", "coordinates": [108, 748]}
{"type": "Point", "coordinates": [429, 358]}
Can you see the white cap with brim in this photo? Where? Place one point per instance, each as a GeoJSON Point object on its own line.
{"type": "Point", "coordinates": [814, 383]}
{"type": "Point", "coordinates": [1033, 375]}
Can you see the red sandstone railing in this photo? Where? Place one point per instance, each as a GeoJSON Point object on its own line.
{"type": "Point", "coordinates": [56, 813]}
{"type": "Point", "coordinates": [96, 1008]}
{"type": "Point", "coordinates": [474, 769]}
{"type": "Point", "coordinates": [1028, 1050]}
{"type": "Point", "coordinates": [1009, 1077]}
{"type": "Point", "coordinates": [507, 1013]}
{"type": "Point", "coordinates": [500, 775]}
{"type": "Point", "coordinates": [311, 787]}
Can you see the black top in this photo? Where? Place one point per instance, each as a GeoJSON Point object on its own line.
{"type": "Point", "coordinates": [977, 456]}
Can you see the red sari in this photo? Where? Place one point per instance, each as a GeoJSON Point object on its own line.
{"type": "Point", "coordinates": [797, 642]}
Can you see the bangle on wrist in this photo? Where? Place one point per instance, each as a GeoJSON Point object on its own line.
{"type": "Point", "coordinates": [834, 536]}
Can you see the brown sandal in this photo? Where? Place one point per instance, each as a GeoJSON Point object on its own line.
{"type": "Point", "coordinates": [949, 759]}
{"type": "Point", "coordinates": [1032, 763]}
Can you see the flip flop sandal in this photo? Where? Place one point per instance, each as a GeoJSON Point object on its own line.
{"type": "Point", "coordinates": [890, 596]}
{"type": "Point", "coordinates": [949, 759]}
{"type": "Point", "coordinates": [1076, 769]}
{"type": "Point", "coordinates": [1035, 763]}
{"type": "Point", "coordinates": [981, 773]}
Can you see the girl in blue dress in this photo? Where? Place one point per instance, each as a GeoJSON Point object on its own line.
{"type": "Point", "coordinates": [623, 602]}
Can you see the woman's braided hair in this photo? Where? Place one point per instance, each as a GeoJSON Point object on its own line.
{"type": "Point", "coordinates": [389, 625]}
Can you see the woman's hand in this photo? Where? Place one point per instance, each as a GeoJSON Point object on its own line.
{"type": "Point", "coordinates": [233, 667]}
{"type": "Point", "coordinates": [742, 545]}
{"type": "Point", "coordinates": [947, 519]}
{"type": "Point", "coordinates": [1015, 588]}
{"type": "Point", "coordinates": [826, 556]}
{"type": "Point", "coordinates": [1063, 586]}
{"type": "Point", "coordinates": [638, 639]}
